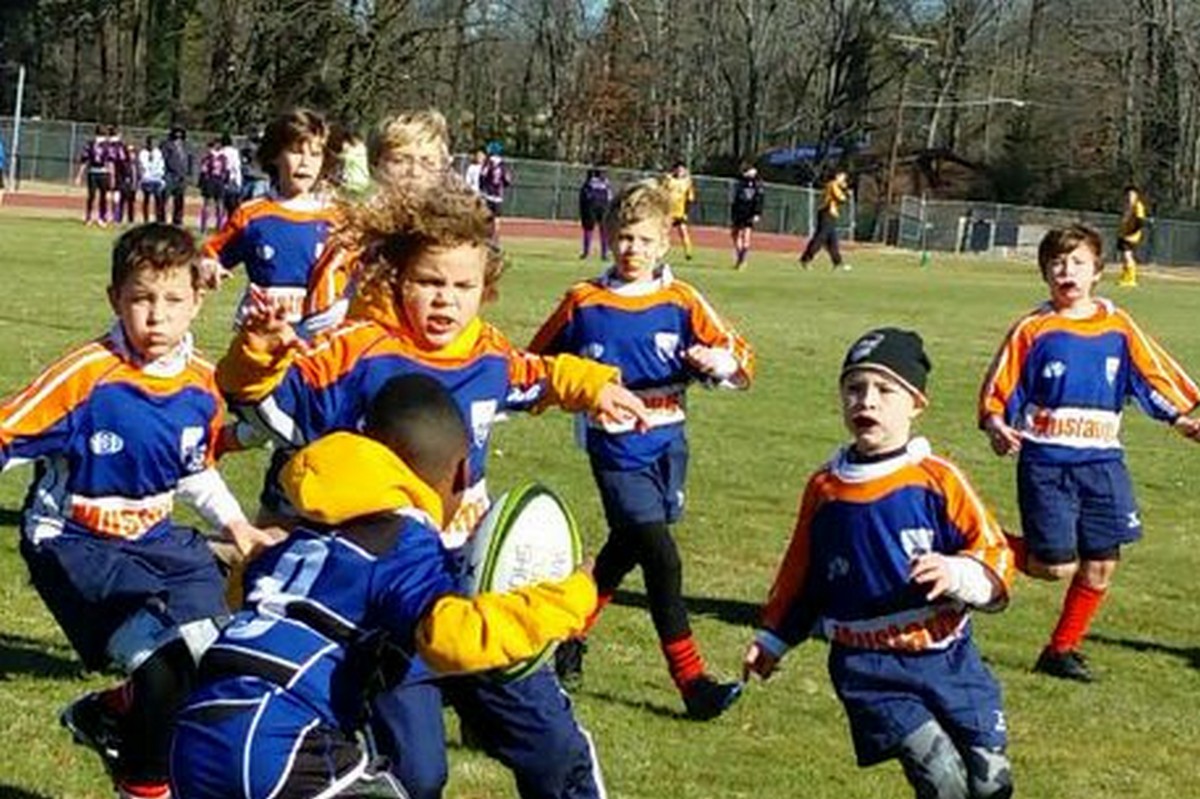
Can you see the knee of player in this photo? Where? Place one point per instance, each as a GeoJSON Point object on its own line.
{"type": "Point", "coordinates": [933, 764]}
{"type": "Point", "coordinates": [1054, 572]}
{"type": "Point", "coordinates": [989, 773]}
{"type": "Point", "coordinates": [1098, 572]}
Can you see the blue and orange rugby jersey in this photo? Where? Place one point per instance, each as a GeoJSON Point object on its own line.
{"type": "Point", "coordinates": [1063, 383]}
{"type": "Point", "coordinates": [846, 573]}
{"type": "Point", "coordinates": [279, 243]}
{"type": "Point", "coordinates": [643, 329]}
{"type": "Point", "coordinates": [115, 441]}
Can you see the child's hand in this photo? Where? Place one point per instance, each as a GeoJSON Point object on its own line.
{"type": "Point", "coordinates": [1005, 440]}
{"type": "Point", "coordinates": [933, 573]}
{"type": "Point", "coordinates": [249, 539]}
{"type": "Point", "coordinates": [267, 328]}
{"type": "Point", "coordinates": [617, 405]}
{"type": "Point", "coordinates": [1187, 427]}
{"type": "Point", "coordinates": [705, 360]}
{"type": "Point", "coordinates": [212, 274]}
{"type": "Point", "coordinates": [758, 661]}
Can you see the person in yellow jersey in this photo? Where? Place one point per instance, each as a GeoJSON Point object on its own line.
{"type": "Point", "coordinates": [1130, 234]}
{"type": "Point", "coordinates": [678, 183]}
{"type": "Point", "coordinates": [834, 195]}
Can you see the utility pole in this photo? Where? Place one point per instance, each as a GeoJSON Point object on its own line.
{"type": "Point", "coordinates": [16, 136]}
{"type": "Point", "coordinates": [914, 47]}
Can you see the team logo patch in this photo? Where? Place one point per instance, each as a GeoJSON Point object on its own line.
{"type": "Point", "coordinates": [192, 448]}
{"type": "Point", "coordinates": [838, 567]}
{"type": "Point", "coordinates": [1134, 521]}
{"type": "Point", "coordinates": [666, 344]}
{"type": "Point", "coordinates": [483, 413]}
{"type": "Point", "coordinates": [864, 347]}
{"type": "Point", "coordinates": [594, 351]}
{"type": "Point", "coordinates": [266, 252]}
{"type": "Point", "coordinates": [1055, 369]}
{"type": "Point", "coordinates": [105, 442]}
{"type": "Point", "coordinates": [1111, 367]}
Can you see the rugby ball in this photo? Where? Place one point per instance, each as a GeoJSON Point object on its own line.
{"type": "Point", "coordinates": [527, 536]}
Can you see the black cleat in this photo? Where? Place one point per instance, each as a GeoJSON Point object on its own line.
{"type": "Point", "coordinates": [1069, 665]}
{"type": "Point", "coordinates": [705, 698]}
{"type": "Point", "coordinates": [568, 663]}
{"type": "Point", "coordinates": [93, 725]}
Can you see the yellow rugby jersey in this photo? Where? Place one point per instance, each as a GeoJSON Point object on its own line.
{"type": "Point", "coordinates": [1133, 222]}
{"type": "Point", "coordinates": [682, 192]}
{"type": "Point", "coordinates": [832, 198]}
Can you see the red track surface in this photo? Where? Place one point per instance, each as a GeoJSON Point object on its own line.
{"type": "Point", "coordinates": [68, 203]}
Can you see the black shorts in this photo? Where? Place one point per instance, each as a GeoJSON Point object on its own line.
{"type": "Point", "coordinates": [211, 189]}
{"type": "Point", "coordinates": [591, 217]}
{"type": "Point", "coordinates": [1124, 245]}
{"type": "Point", "coordinates": [741, 221]}
{"type": "Point", "coordinates": [678, 221]}
{"type": "Point", "coordinates": [494, 206]}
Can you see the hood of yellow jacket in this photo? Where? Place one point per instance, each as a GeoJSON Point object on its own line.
{"type": "Point", "coordinates": [377, 302]}
{"type": "Point", "coordinates": [345, 476]}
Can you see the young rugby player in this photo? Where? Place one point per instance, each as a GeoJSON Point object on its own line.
{"type": "Point", "coordinates": [662, 334]}
{"type": "Point", "coordinates": [833, 196]}
{"type": "Point", "coordinates": [362, 580]}
{"type": "Point", "coordinates": [279, 237]}
{"type": "Point", "coordinates": [1129, 235]}
{"type": "Point", "coordinates": [1054, 394]}
{"type": "Point", "coordinates": [416, 309]}
{"type": "Point", "coordinates": [119, 428]}
{"type": "Point", "coordinates": [682, 191]}
{"type": "Point", "coordinates": [744, 212]}
{"type": "Point", "coordinates": [891, 550]}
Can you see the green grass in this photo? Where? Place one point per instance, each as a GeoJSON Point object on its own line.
{"type": "Point", "coordinates": [1135, 734]}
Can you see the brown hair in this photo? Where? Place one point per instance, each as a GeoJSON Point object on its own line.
{"type": "Point", "coordinates": [154, 246]}
{"type": "Point", "coordinates": [408, 130]}
{"type": "Point", "coordinates": [1061, 240]}
{"type": "Point", "coordinates": [638, 202]}
{"type": "Point", "coordinates": [285, 131]}
{"type": "Point", "coordinates": [397, 225]}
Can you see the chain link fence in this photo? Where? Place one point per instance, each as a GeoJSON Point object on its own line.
{"type": "Point", "coordinates": [50, 150]}
{"type": "Point", "coordinates": [1015, 230]}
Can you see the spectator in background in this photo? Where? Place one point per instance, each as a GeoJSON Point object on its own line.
{"type": "Point", "coordinates": [231, 189]}
{"type": "Point", "coordinates": [595, 195]}
{"type": "Point", "coordinates": [93, 162]}
{"type": "Point", "coordinates": [177, 162]}
{"type": "Point", "coordinates": [494, 178]}
{"type": "Point", "coordinates": [125, 173]}
{"type": "Point", "coordinates": [745, 212]}
{"type": "Point", "coordinates": [255, 180]}
{"type": "Point", "coordinates": [474, 169]}
{"type": "Point", "coordinates": [153, 183]}
{"type": "Point", "coordinates": [212, 185]}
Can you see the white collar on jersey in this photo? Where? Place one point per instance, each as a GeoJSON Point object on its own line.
{"type": "Point", "coordinates": [310, 204]}
{"type": "Point", "coordinates": [169, 365]}
{"type": "Point", "coordinates": [843, 468]}
{"type": "Point", "coordinates": [613, 282]}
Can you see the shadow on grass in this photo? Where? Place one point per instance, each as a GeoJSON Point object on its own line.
{"type": "Point", "coordinates": [13, 792]}
{"type": "Point", "coordinates": [647, 707]}
{"type": "Point", "coordinates": [10, 517]}
{"type": "Point", "coordinates": [730, 611]}
{"type": "Point", "coordinates": [30, 656]}
{"type": "Point", "coordinates": [1189, 654]}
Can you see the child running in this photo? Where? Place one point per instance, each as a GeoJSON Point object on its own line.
{"type": "Point", "coordinates": [891, 550]}
{"type": "Point", "coordinates": [744, 212]}
{"type": "Point", "coordinates": [417, 309]}
{"type": "Point", "coordinates": [119, 428]}
{"type": "Point", "coordinates": [663, 335]}
{"type": "Point", "coordinates": [1054, 396]}
{"type": "Point", "coordinates": [279, 237]}
{"type": "Point", "coordinates": [363, 581]}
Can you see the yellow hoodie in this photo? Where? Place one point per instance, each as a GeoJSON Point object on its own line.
{"type": "Point", "coordinates": [459, 634]}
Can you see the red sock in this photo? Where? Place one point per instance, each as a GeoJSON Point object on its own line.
{"type": "Point", "coordinates": [602, 601]}
{"type": "Point", "coordinates": [1016, 543]}
{"type": "Point", "coordinates": [683, 660]}
{"type": "Point", "coordinates": [1079, 608]}
{"type": "Point", "coordinates": [143, 790]}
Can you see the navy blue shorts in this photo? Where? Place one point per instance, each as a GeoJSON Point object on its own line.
{"type": "Point", "coordinates": [888, 695]}
{"type": "Point", "coordinates": [1084, 510]}
{"type": "Point", "coordinates": [92, 585]}
{"type": "Point", "coordinates": [651, 494]}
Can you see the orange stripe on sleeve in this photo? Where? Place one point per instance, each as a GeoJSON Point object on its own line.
{"type": "Point", "coordinates": [713, 331]}
{"type": "Point", "coordinates": [1158, 368]}
{"type": "Point", "coordinates": [967, 512]}
{"type": "Point", "coordinates": [543, 341]}
{"type": "Point", "coordinates": [215, 244]}
{"type": "Point", "coordinates": [1004, 374]}
{"type": "Point", "coordinates": [790, 580]}
{"type": "Point", "coordinates": [54, 393]}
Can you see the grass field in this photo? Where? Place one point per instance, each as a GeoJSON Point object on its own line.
{"type": "Point", "coordinates": [1136, 733]}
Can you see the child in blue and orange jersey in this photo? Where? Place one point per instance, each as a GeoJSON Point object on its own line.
{"type": "Point", "coordinates": [891, 550]}
{"type": "Point", "coordinates": [362, 582]}
{"type": "Point", "coordinates": [410, 150]}
{"type": "Point", "coordinates": [416, 309]}
{"type": "Point", "coordinates": [279, 237]}
{"type": "Point", "coordinates": [662, 334]}
{"type": "Point", "coordinates": [682, 191]}
{"type": "Point", "coordinates": [1054, 394]}
{"type": "Point", "coordinates": [119, 428]}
